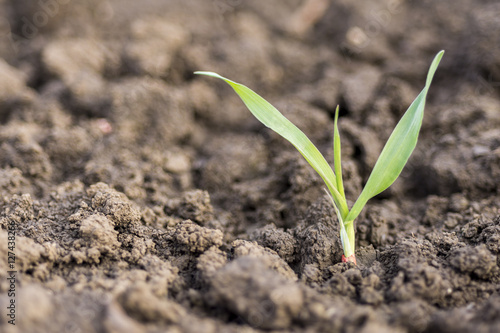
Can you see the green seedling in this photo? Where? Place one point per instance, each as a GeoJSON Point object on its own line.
{"type": "Point", "coordinates": [389, 165]}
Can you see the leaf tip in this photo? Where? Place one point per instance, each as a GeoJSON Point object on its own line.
{"type": "Point", "coordinates": [212, 74]}
{"type": "Point", "coordinates": [218, 76]}
{"type": "Point", "coordinates": [438, 56]}
{"type": "Point", "coordinates": [433, 68]}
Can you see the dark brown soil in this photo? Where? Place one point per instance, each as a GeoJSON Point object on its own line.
{"type": "Point", "coordinates": [145, 199]}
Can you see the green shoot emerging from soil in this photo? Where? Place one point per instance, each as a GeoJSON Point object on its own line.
{"type": "Point", "coordinates": [389, 165]}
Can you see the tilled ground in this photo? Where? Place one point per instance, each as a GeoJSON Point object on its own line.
{"type": "Point", "coordinates": [145, 199]}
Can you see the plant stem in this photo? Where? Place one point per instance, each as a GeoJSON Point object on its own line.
{"type": "Point", "coordinates": [352, 240]}
{"type": "Point", "coordinates": [352, 259]}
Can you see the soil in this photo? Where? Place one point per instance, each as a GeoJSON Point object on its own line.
{"type": "Point", "coordinates": [147, 199]}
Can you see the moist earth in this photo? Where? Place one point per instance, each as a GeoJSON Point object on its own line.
{"type": "Point", "coordinates": [145, 199]}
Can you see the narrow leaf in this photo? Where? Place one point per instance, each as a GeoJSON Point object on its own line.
{"type": "Point", "coordinates": [337, 154]}
{"type": "Point", "coordinates": [398, 148]}
{"type": "Point", "coordinates": [272, 118]}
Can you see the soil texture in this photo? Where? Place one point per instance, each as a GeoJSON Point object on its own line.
{"type": "Point", "coordinates": [144, 198]}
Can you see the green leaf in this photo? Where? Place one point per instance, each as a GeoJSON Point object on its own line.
{"type": "Point", "coordinates": [337, 155]}
{"type": "Point", "coordinates": [272, 118]}
{"type": "Point", "coordinates": [398, 148]}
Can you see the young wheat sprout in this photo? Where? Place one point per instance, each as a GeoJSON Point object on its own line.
{"type": "Point", "coordinates": [389, 165]}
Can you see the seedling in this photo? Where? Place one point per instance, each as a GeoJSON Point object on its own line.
{"type": "Point", "coordinates": [389, 165]}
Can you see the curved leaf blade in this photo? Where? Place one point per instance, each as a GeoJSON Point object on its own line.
{"type": "Point", "coordinates": [397, 149]}
{"type": "Point", "coordinates": [272, 118]}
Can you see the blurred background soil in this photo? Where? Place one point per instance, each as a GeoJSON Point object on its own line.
{"type": "Point", "coordinates": [146, 199]}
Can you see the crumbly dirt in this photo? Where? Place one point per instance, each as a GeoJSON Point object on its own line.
{"type": "Point", "coordinates": [147, 199]}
